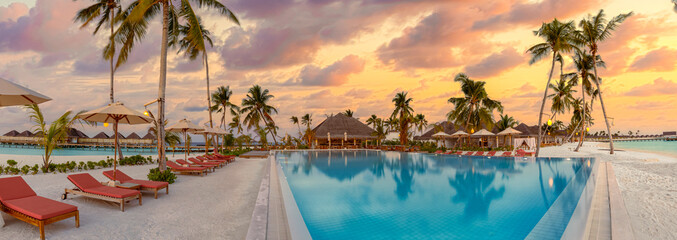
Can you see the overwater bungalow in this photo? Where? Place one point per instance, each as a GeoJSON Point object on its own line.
{"type": "Point", "coordinates": [12, 133]}
{"type": "Point", "coordinates": [344, 132]}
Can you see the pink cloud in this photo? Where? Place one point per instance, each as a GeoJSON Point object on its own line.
{"type": "Point", "coordinates": [13, 12]}
{"type": "Point", "coordinates": [496, 63]}
{"type": "Point", "coordinates": [335, 74]}
{"type": "Point", "coordinates": [659, 86]}
{"type": "Point", "coordinates": [662, 59]}
{"type": "Point", "coordinates": [536, 13]}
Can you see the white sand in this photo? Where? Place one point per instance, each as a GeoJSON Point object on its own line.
{"type": "Point", "coordinates": [647, 183]}
{"type": "Point", "coordinates": [216, 206]}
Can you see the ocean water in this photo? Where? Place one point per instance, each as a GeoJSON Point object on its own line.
{"type": "Point", "coordinates": [662, 147]}
{"type": "Point", "coordinates": [392, 195]}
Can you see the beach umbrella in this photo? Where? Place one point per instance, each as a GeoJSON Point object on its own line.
{"type": "Point", "coordinates": [12, 94]}
{"type": "Point", "coordinates": [509, 132]}
{"type": "Point", "coordinates": [441, 135]}
{"type": "Point", "coordinates": [115, 113]}
{"type": "Point", "coordinates": [483, 133]}
{"type": "Point", "coordinates": [206, 132]}
{"type": "Point", "coordinates": [185, 126]}
{"type": "Point", "coordinates": [459, 134]}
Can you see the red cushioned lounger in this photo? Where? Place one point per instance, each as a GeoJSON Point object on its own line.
{"type": "Point", "coordinates": [469, 153]}
{"type": "Point", "coordinates": [480, 153]}
{"type": "Point", "coordinates": [147, 185]}
{"type": "Point", "coordinates": [204, 159]}
{"type": "Point", "coordinates": [491, 153]}
{"type": "Point", "coordinates": [181, 169]}
{"type": "Point", "coordinates": [185, 163]}
{"type": "Point", "coordinates": [20, 201]}
{"type": "Point", "coordinates": [210, 164]}
{"type": "Point", "coordinates": [88, 186]}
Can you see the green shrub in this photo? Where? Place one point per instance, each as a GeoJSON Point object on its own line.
{"type": "Point", "coordinates": [11, 163]}
{"type": "Point", "coordinates": [163, 176]}
{"type": "Point", "coordinates": [81, 166]}
{"type": "Point", "coordinates": [103, 163]}
{"type": "Point", "coordinates": [35, 169]}
{"type": "Point", "coordinates": [2, 169]}
{"type": "Point", "coordinates": [91, 165]}
{"type": "Point", "coordinates": [25, 169]}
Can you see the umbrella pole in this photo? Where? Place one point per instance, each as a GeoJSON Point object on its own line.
{"type": "Point", "coordinates": [115, 154]}
{"type": "Point", "coordinates": [206, 145]}
{"type": "Point", "coordinates": [185, 142]}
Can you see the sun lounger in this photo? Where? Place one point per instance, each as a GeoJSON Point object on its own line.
{"type": "Point", "coordinates": [211, 164]}
{"type": "Point", "coordinates": [491, 153]}
{"type": "Point", "coordinates": [506, 154]}
{"type": "Point", "coordinates": [204, 159]}
{"type": "Point", "coordinates": [89, 187]}
{"type": "Point", "coordinates": [480, 153]}
{"type": "Point", "coordinates": [147, 185]}
{"type": "Point", "coordinates": [181, 169]}
{"type": "Point", "coordinates": [449, 152]}
{"type": "Point", "coordinates": [468, 154]}
{"type": "Point", "coordinates": [216, 158]}
{"type": "Point", "coordinates": [228, 157]}
{"type": "Point", "coordinates": [438, 151]}
{"type": "Point", "coordinates": [20, 201]}
{"type": "Point", "coordinates": [184, 163]}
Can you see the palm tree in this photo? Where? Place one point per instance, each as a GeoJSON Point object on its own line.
{"type": "Point", "coordinates": [255, 105]}
{"type": "Point", "coordinates": [134, 27]}
{"type": "Point", "coordinates": [405, 112]}
{"type": "Point", "coordinates": [475, 107]}
{"type": "Point", "coordinates": [372, 120]}
{"type": "Point", "coordinates": [506, 122]}
{"type": "Point", "coordinates": [596, 29]}
{"type": "Point", "coordinates": [420, 122]}
{"type": "Point", "coordinates": [308, 120]}
{"type": "Point", "coordinates": [295, 120]}
{"type": "Point", "coordinates": [391, 123]}
{"type": "Point", "coordinates": [559, 37]}
{"type": "Point", "coordinates": [50, 136]}
{"type": "Point", "coordinates": [380, 131]}
{"type": "Point", "coordinates": [562, 97]}
{"type": "Point", "coordinates": [584, 63]}
{"type": "Point", "coordinates": [348, 113]}
{"type": "Point", "coordinates": [221, 100]}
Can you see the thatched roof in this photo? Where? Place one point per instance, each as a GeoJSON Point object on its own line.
{"type": "Point", "coordinates": [120, 136]}
{"type": "Point", "coordinates": [25, 134]}
{"type": "Point", "coordinates": [148, 136]}
{"type": "Point", "coordinates": [12, 133]}
{"type": "Point", "coordinates": [133, 136]}
{"type": "Point", "coordinates": [72, 132]}
{"type": "Point", "coordinates": [102, 135]}
{"type": "Point", "coordinates": [339, 124]}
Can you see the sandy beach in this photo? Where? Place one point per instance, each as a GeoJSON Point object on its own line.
{"type": "Point", "coordinates": [647, 183]}
{"type": "Point", "coordinates": [216, 206]}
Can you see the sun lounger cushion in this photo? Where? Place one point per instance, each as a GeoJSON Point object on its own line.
{"type": "Point", "coordinates": [84, 181]}
{"type": "Point", "coordinates": [120, 176]}
{"type": "Point", "coordinates": [112, 191]}
{"type": "Point", "coordinates": [13, 188]}
{"type": "Point", "coordinates": [39, 207]}
{"type": "Point", "coordinates": [177, 167]}
{"type": "Point", "coordinates": [148, 184]}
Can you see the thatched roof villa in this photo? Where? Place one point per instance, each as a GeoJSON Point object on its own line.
{"type": "Point", "coordinates": [342, 128]}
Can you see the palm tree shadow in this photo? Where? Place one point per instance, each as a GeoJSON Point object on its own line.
{"type": "Point", "coordinates": [474, 189]}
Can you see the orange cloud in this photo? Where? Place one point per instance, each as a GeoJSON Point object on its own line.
{"type": "Point", "coordinates": [662, 59]}
{"type": "Point", "coordinates": [659, 86]}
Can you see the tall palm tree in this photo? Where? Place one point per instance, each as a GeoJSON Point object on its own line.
{"type": "Point", "coordinates": [475, 107]}
{"type": "Point", "coordinates": [420, 122]}
{"type": "Point", "coordinates": [405, 112]}
{"type": "Point", "coordinates": [308, 120]}
{"type": "Point", "coordinates": [295, 120]}
{"type": "Point", "coordinates": [596, 29]}
{"type": "Point", "coordinates": [372, 120]}
{"type": "Point", "coordinates": [256, 106]}
{"type": "Point", "coordinates": [584, 62]}
{"type": "Point", "coordinates": [559, 37]}
{"type": "Point", "coordinates": [349, 113]}
{"type": "Point", "coordinates": [222, 104]}
{"type": "Point", "coordinates": [506, 122]}
{"type": "Point", "coordinates": [134, 27]}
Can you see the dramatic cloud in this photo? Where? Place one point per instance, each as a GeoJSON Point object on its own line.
{"type": "Point", "coordinates": [662, 59]}
{"type": "Point", "coordinates": [335, 74]}
{"type": "Point", "coordinates": [659, 86]}
{"type": "Point", "coordinates": [13, 12]}
{"type": "Point", "coordinates": [533, 13]}
{"type": "Point", "coordinates": [495, 64]}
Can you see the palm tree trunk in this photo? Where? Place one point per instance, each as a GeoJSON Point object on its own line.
{"type": "Point", "coordinates": [601, 101]}
{"type": "Point", "coordinates": [112, 74]}
{"type": "Point", "coordinates": [540, 113]}
{"type": "Point", "coordinates": [209, 97]}
{"type": "Point", "coordinates": [585, 117]}
{"type": "Point", "coordinates": [162, 86]}
{"type": "Point", "coordinates": [266, 123]}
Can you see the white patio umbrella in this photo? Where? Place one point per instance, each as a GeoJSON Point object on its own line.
{"type": "Point", "coordinates": [185, 126]}
{"type": "Point", "coordinates": [115, 113]}
{"type": "Point", "coordinates": [483, 133]}
{"type": "Point", "coordinates": [459, 134]}
{"type": "Point", "coordinates": [12, 94]}
{"type": "Point", "coordinates": [441, 135]}
{"type": "Point", "coordinates": [509, 132]}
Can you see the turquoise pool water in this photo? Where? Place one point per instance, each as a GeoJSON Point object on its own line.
{"type": "Point", "coordinates": [391, 195]}
{"type": "Point", "coordinates": [665, 147]}
{"type": "Point", "coordinates": [4, 149]}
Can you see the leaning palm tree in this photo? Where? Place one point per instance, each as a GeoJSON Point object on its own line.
{"type": "Point", "coordinates": [584, 63]}
{"type": "Point", "coordinates": [50, 135]}
{"type": "Point", "coordinates": [295, 120]}
{"type": "Point", "coordinates": [256, 107]}
{"type": "Point", "coordinates": [405, 112]}
{"type": "Point", "coordinates": [135, 26]}
{"type": "Point", "coordinates": [475, 108]}
{"type": "Point", "coordinates": [559, 37]}
{"type": "Point", "coordinates": [506, 122]}
{"type": "Point", "coordinates": [221, 100]}
{"type": "Point", "coordinates": [596, 29]}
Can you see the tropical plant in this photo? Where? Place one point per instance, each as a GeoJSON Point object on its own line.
{"type": "Point", "coordinates": [134, 26]}
{"type": "Point", "coordinates": [380, 131]}
{"type": "Point", "coordinates": [308, 121]}
{"type": "Point", "coordinates": [595, 29]}
{"type": "Point", "coordinates": [221, 100]}
{"type": "Point", "coordinates": [50, 135]}
{"type": "Point", "coordinates": [559, 37]}
{"type": "Point", "coordinates": [584, 62]}
{"type": "Point", "coordinates": [420, 122]}
{"type": "Point", "coordinates": [372, 120]}
{"type": "Point", "coordinates": [475, 108]}
{"type": "Point", "coordinates": [405, 112]}
{"type": "Point", "coordinates": [295, 120]}
{"type": "Point", "coordinates": [263, 139]}
{"type": "Point", "coordinates": [348, 113]}
{"type": "Point", "coordinates": [256, 107]}
{"type": "Point", "coordinates": [161, 176]}
{"type": "Point", "coordinates": [506, 122]}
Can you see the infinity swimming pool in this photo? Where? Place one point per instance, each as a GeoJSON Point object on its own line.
{"type": "Point", "coordinates": [392, 195]}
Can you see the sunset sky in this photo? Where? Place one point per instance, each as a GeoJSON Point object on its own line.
{"type": "Point", "coordinates": [326, 56]}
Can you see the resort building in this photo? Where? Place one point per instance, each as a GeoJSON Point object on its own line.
{"type": "Point", "coordinates": [344, 132]}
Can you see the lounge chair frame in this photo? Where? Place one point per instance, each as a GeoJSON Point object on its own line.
{"type": "Point", "coordinates": [41, 223]}
{"type": "Point", "coordinates": [120, 201]}
{"type": "Point", "coordinates": [180, 171]}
